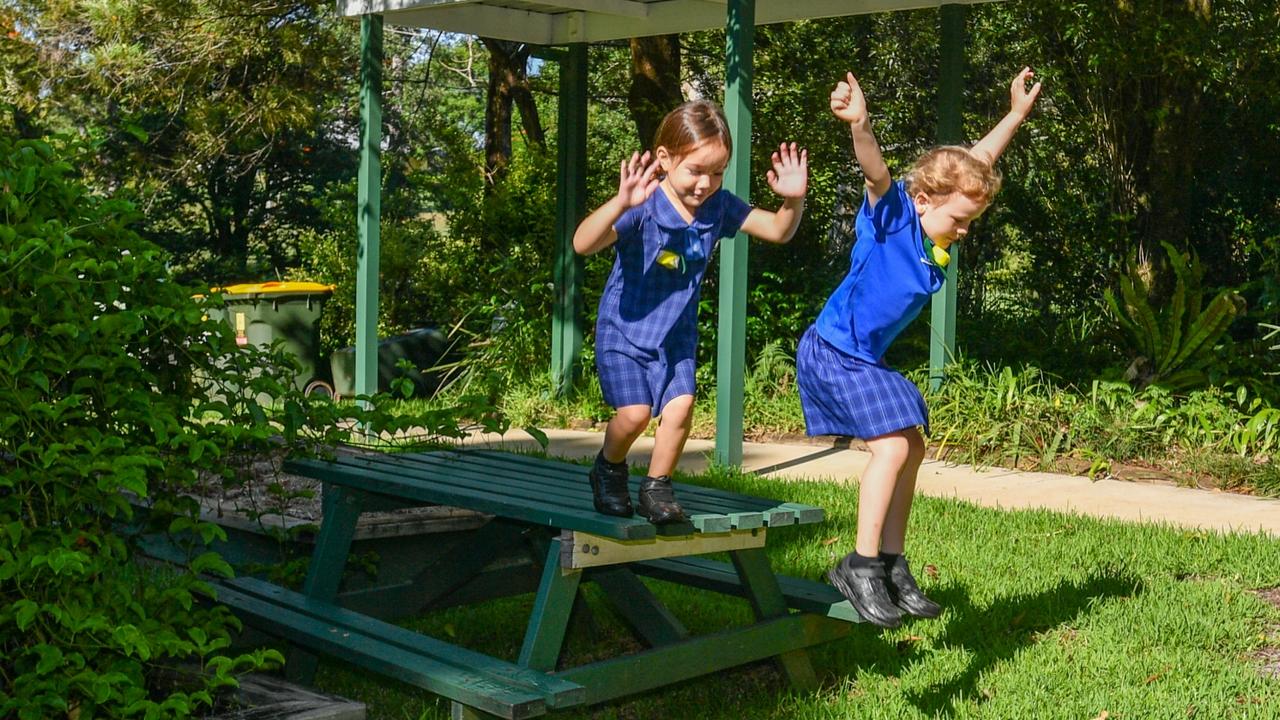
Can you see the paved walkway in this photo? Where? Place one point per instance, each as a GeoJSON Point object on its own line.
{"type": "Point", "coordinates": [996, 487]}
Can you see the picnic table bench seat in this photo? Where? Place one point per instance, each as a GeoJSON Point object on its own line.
{"type": "Point", "coordinates": [544, 507]}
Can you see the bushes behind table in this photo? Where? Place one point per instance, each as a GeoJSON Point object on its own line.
{"type": "Point", "coordinates": [109, 368]}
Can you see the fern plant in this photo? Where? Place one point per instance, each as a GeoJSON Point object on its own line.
{"type": "Point", "coordinates": [1173, 336]}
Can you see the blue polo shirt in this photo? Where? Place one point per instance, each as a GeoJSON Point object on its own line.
{"type": "Point", "coordinates": [651, 305]}
{"type": "Point", "coordinates": [890, 279]}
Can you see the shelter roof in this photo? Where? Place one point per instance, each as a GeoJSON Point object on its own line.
{"type": "Point", "coordinates": [557, 22]}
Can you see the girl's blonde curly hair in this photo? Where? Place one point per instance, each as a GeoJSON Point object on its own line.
{"type": "Point", "coordinates": [950, 169]}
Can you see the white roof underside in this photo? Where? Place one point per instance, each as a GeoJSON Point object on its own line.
{"type": "Point", "coordinates": [557, 22]}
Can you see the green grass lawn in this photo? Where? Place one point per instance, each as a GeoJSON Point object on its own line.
{"type": "Point", "coordinates": [1048, 616]}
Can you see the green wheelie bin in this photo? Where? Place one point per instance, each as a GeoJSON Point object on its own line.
{"type": "Point", "coordinates": [261, 313]}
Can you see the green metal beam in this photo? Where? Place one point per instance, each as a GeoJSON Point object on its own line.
{"type": "Point", "coordinates": [740, 30]}
{"type": "Point", "coordinates": [942, 342]}
{"type": "Point", "coordinates": [369, 205]}
{"type": "Point", "coordinates": [571, 190]}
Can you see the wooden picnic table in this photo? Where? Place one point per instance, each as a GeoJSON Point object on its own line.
{"type": "Point", "coordinates": [545, 505]}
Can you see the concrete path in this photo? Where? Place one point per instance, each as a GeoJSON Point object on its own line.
{"type": "Point", "coordinates": [996, 487]}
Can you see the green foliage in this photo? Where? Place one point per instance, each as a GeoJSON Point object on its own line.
{"type": "Point", "coordinates": [96, 347]}
{"type": "Point", "coordinates": [120, 391]}
{"type": "Point", "coordinates": [1024, 418]}
{"type": "Point", "coordinates": [1173, 332]}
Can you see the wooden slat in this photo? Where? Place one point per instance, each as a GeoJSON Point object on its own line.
{"type": "Point", "coordinates": [333, 620]}
{"type": "Point", "coordinates": [524, 508]}
{"type": "Point", "coordinates": [568, 480]}
{"type": "Point", "coordinates": [804, 595]}
{"type": "Point", "coordinates": [681, 661]}
{"type": "Point", "coordinates": [541, 465]}
{"type": "Point", "coordinates": [396, 662]}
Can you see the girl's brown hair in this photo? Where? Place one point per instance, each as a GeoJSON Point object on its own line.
{"type": "Point", "coordinates": [692, 124]}
{"type": "Point", "coordinates": [953, 169]}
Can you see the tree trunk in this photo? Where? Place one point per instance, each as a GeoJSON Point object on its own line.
{"type": "Point", "coordinates": [655, 83]}
{"type": "Point", "coordinates": [508, 84]}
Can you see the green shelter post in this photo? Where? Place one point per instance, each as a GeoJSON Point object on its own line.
{"type": "Point", "coordinates": [732, 346]}
{"type": "Point", "coordinates": [571, 190]}
{"type": "Point", "coordinates": [369, 205]}
{"type": "Point", "coordinates": [942, 342]}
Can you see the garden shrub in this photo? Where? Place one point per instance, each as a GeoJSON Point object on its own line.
{"type": "Point", "coordinates": [118, 387]}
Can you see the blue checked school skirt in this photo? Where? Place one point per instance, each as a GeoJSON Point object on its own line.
{"type": "Point", "coordinates": [843, 395]}
{"type": "Point", "coordinates": [631, 376]}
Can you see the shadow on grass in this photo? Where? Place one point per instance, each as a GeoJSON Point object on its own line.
{"type": "Point", "coordinates": [995, 633]}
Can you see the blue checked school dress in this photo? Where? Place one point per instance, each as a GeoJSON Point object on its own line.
{"type": "Point", "coordinates": [845, 386]}
{"type": "Point", "coordinates": [647, 324]}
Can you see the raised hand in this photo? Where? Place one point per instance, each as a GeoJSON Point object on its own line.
{"type": "Point", "coordinates": [789, 177]}
{"type": "Point", "coordinates": [638, 178]}
{"type": "Point", "coordinates": [1020, 98]}
{"type": "Point", "coordinates": [847, 101]}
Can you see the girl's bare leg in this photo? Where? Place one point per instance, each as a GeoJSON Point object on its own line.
{"type": "Point", "coordinates": [673, 431]}
{"type": "Point", "coordinates": [627, 424]}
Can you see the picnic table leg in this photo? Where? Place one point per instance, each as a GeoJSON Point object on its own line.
{"type": "Point", "coordinates": [650, 619]}
{"type": "Point", "coordinates": [551, 610]}
{"type": "Point", "coordinates": [765, 595]}
{"type": "Point", "coordinates": [342, 508]}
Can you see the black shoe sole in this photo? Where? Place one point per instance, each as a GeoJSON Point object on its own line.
{"type": "Point", "coordinates": [667, 520]}
{"type": "Point", "coordinates": [838, 581]}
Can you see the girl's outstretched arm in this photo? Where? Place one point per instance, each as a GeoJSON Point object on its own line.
{"type": "Point", "coordinates": [790, 179]}
{"type": "Point", "coordinates": [850, 105]}
{"type": "Point", "coordinates": [1021, 99]}
{"type": "Point", "coordinates": [637, 181]}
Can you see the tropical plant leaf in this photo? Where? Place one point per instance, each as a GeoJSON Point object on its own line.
{"type": "Point", "coordinates": [1208, 328]}
{"type": "Point", "coordinates": [1173, 314]}
{"type": "Point", "coordinates": [1148, 337]}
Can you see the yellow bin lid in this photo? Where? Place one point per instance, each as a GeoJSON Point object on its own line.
{"type": "Point", "coordinates": [274, 287]}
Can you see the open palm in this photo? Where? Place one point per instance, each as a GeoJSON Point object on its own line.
{"type": "Point", "coordinates": [789, 177]}
{"type": "Point", "coordinates": [638, 178]}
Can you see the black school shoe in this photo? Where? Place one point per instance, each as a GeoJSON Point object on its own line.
{"type": "Point", "coordinates": [906, 594]}
{"type": "Point", "coordinates": [865, 587]}
{"type": "Point", "coordinates": [609, 492]}
{"type": "Point", "coordinates": [658, 501]}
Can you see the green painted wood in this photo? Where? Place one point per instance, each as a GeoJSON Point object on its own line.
{"type": "Point", "coordinates": [443, 575]}
{"type": "Point", "coordinates": [557, 692]}
{"type": "Point", "coordinates": [443, 678]}
{"type": "Point", "coordinates": [942, 310]}
{"type": "Point", "coordinates": [369, 205]}
{"type": "Point", "coordinates": [564, 483]}
{"type": "Point", "coordinates": [761, 588]}
{"type": "Point", "coordinates": [803, 595]}
{"type": "Point", "coordinates": [805, 514]}
{"type": "Point", "coordinates": [571, 190]}
{"type": "Point", "coordinates": [458, 711]}
{"type": "Point", "coordinates": [732, 342]}
{"type": "Point", "coordinates": [510, 465]}
{"type": "Point", "coordinates": [652, 621]}
{"type": "Point", "coordinates": [609, 679]}
{"type": "Point", "coordinates": [341, 508]}
{"type": "Point", "coordinates": [552, 607]}
{"type": "Point", "coordinates": [377, 479]}
{"type": "Point", "coordinates": [711, 523]}
{"type": "Point", "coordinates": [543, 491]}
{"type": "Point", "coordinates": [746, 520]}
